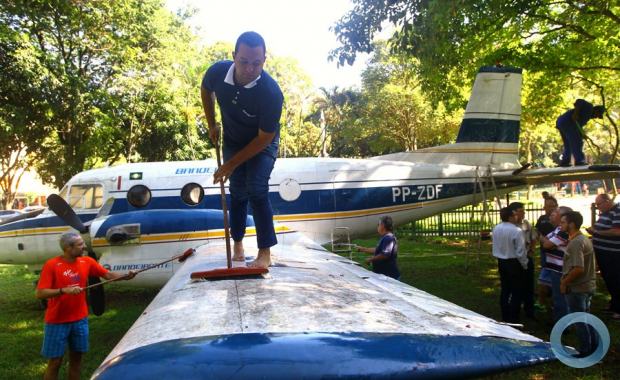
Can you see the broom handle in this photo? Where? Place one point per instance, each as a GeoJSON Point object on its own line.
{"type": "Point", "coordinates": [224, 209]}
{"type": "Point", "coordinates": [136, 272]}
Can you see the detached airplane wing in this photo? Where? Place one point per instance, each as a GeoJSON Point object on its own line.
{"type": "Point", "coordinates": [316, 315]}
{"type": "Point", "coordinates": [559, 174]}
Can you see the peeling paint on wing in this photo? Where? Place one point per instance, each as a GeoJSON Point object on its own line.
{"type": "Point", "coordinates": [335, 298]}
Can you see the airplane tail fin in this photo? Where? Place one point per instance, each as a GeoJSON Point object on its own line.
{"type": "Point", "coordinates": [489, 132]}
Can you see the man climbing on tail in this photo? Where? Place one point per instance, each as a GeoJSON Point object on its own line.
{"type": "Point", "coordinates": [571, 124]}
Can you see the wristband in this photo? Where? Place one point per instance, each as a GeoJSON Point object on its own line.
{"type": "Point", "coordinates": [60, 290]}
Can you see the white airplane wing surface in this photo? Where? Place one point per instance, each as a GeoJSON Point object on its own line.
{"type": "Point", "coordinates": [559, 174]}
{"type": "Point", "coordinates": [315, 315]}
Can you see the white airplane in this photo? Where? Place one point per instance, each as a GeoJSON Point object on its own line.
{"type": "Point", "coordinates": [316, 314]}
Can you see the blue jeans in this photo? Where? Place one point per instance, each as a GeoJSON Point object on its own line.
{"type": "Point", "coordinates": [560, 308]}
{"type": "Point", "coordinates": [573, 144]}
{"type": "Point", "coordinates": [588, 339]}
{"type": "Point", "coordinates": [250, 183]}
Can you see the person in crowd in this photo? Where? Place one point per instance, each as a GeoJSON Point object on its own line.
{"type": "Point", "coordinates": [529, 236]}
{"type": "Point", "coordinates": [510, 252]}
{"type": "Point", "coordinates": [385, 254]}
{"type": "Point", "coordinates": [578, 282]}
{"type": "Point", "coordinates": [544, 226]}
{"type": "Point", "coordinates": [554, 245]}
{"type": "Point", "coordinates": [585, 189]}
{"type": "Point", "coordinates": [606, 240]}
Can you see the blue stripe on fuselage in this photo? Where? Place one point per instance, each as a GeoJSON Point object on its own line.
{"type": "Point", "coordinates": [326, 200]}
{"type": "Point", "coordinates": [324, 356]}
{"type": "Point", "coordinates": [180, 217]}
{"type": "Point", "coordinates": [168, 221]}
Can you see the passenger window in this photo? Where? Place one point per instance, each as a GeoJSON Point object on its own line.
{"type": "Point", "coordinates": [87, 197]}
{"type": "Point", "coordinates": [192, 194]}
{"type": "Point", "coordinates": [139, 196]}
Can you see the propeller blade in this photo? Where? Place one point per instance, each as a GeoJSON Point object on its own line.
{"type": "Point", "coordinates": [65, 212]}
{"type": "Point", "coordinates": [25, 215]}
{"type": "Point", "coordinates": [96, 294]}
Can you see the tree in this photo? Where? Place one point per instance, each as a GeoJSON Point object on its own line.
{"type": "Point", "coordinates": [104, 69]}
{"type": "Point", "coordinates": [397, 114]}
{"type": "Point", "coordinates": [296, 86]}
{"type": "Point", "coordinates": [21, 111]}
{"type": "Point", "coordinates": [336, 112]}
{"type": "Point", "coordinates": [565, 44]}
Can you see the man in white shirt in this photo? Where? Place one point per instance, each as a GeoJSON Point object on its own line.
{"type": "Point", "coordinates": [509, 249]}
{"type": "Point", "coordinates": [529, 234]}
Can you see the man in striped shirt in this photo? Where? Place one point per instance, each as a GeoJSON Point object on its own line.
{"type": "Point", "coordinates": [554, 246]}
{"type": "Point", "coordinates": [606, 240]}
{"type": "Point", "coordinates": [543, 228]}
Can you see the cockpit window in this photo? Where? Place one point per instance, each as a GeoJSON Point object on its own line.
{"type": "Point", "coordinates": [63, 192]}
{"type": "Point", "coordinates": [139, 196]}
{"type": "Point", "coordinates": [87, 196]}
{"type": "Point", "coordinates": [192, 194]}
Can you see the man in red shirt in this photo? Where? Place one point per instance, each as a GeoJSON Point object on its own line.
{"type": "Point", "coordinates": [62, 283]}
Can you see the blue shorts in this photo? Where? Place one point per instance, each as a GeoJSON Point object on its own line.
{"type": "Point", "coordinates": [545, 277]}
{"type": "Point", "coordinates": [57, 334]}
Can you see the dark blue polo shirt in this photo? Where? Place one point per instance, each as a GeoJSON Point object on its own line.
{"type": "Point", "coordinates": [387, 246]}
{"type": "Point", "coordinates": [247, 109]}
{"type": "Point", "coordinates": [586, 111]}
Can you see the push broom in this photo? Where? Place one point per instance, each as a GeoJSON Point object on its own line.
{"type": "Point", "coordinates": [229, 271]}
{"type": "Point", "coordinates": [182, 257]}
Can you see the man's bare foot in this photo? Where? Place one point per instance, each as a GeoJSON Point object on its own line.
{"type": "Point", "coordinates": [263, 260]}
{"type": "Point", "coordinates": [238, 253]}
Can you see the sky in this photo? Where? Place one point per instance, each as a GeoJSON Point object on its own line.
{"type": "Point", "coordinates": [291, 28]}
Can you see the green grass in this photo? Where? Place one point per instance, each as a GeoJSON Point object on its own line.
{"type": "Point", "coordinates": [21, 325]}
{"type": "Point", "coordinates": [436, 265]}
{"type": "Point", "coordinates": [442, 267]}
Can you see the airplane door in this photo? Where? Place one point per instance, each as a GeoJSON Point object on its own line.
{"type": "Point", "coordinates": [350, 199]}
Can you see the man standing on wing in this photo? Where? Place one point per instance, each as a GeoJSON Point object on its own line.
{"type": "Point", "coordinates": [250, 103]}
{"type": "Point", "coordinates": [571, 124]}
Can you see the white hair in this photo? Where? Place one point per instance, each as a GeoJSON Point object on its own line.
{"type": "Point", "coordinates": [67, 239]}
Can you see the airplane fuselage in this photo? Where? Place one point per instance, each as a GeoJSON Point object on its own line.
{"type": "Point", "coordinates": [311, 195]}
